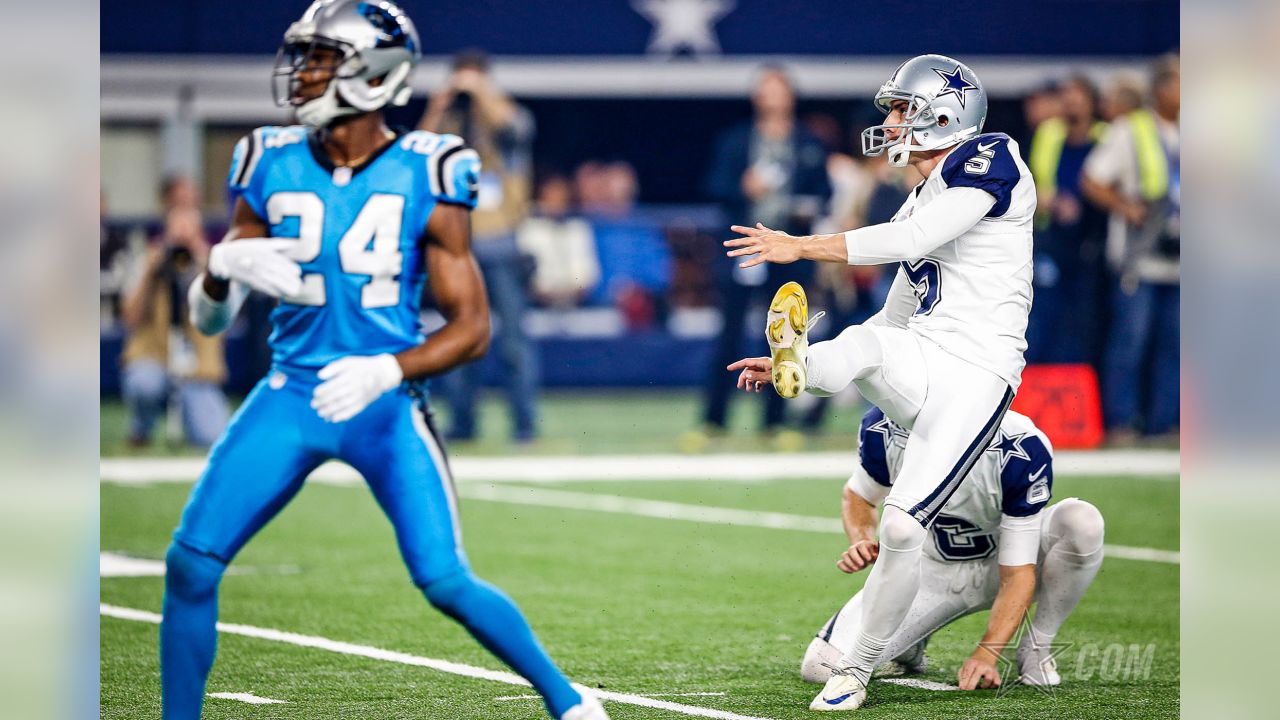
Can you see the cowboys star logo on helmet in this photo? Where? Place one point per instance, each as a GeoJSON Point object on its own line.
{"type": "Point", "coordinates": [955, 84]}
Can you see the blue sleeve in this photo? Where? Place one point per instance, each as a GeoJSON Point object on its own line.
{"type": "Point", "coordinates": [873, 441]}
{"type": "Point", "coordinates": [1026, 480]}
{"type": "Point", "coordinates": [456, 173]}
{"type": "Point", "coordinates": [986, 163]}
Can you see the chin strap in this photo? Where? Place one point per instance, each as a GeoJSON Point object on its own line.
{"type": "Point", "coordinates": [325, 109]}
{"type": "Point", "coordinates": [899, 154]}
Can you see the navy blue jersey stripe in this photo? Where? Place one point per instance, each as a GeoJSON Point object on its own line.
{"type": "Point", "coordinates": [926, 510]}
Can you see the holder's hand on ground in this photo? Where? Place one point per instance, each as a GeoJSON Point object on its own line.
{"type": "Point", "coordinates": [352, 382]}
{"type": "Point", "coordinates": [260, 263]}
{"type": "Point", "coordinates": [979, 671]}
{"type": "Point", "coordinates": [757, 372]}
{"type": "Point", "coordinates": [762, 245]}
{"type": "Point", "coordinates": [860, 555]}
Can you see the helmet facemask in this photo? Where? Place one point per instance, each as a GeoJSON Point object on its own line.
{"type": "Point", "coordinates": [302, 56]}
{"type": "Point", "coordinates": [918, 115]}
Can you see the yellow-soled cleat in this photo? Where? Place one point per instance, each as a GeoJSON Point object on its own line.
{"type": "Point", "coordinates": [787, 330]}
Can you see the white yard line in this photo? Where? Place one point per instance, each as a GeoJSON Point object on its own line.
{"type": "Point", "coordinates": [666, 510]}
{"type": "Point", "coordinates": [116, 565]}
{"type": "Point", "coordinates": [112, 564]}
{"type": "Point", "coordinates": [247, 698]}
{"type": "Point", "coordinates": [1126, 552]}
{"type": "Point", "coordinates": [630, 468]}
{"type": "Point", "coordinates": [568, 499]}
{"type": "Point", "coordinates": [919, 684]}
{"type": "Point", "coordinates": [453, 668]}
{"type": "Point", "coordinates": [647, 695]}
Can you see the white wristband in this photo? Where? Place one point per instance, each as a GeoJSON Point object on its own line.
{"type": "Point", "coordinates": [211, 316]}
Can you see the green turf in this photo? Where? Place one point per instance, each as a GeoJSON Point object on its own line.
{"type": "Point", "coordinates": [632, 604]}
{"type": "Point", "coordinates": [574, 423]}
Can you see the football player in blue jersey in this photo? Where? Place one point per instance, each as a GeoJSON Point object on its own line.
{"type": "Point", "coordinates": [344, 221]}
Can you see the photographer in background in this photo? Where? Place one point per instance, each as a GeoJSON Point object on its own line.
{"type": "Point", "coordinates": [470, 105]}
{"type": "Point", "coordinates": [164, 357]}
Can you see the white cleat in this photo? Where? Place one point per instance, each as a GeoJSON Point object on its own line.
{"type": "Point", "coordinates": [843, 691]}
{"type": "Point", "coordinates": [787, 330]}
{"type": "Point", "coordinates": [1036, 665]}
{"type": "Point", "coordinates": [914, 661]}
{"type": "Point", "coordinates": [588, 709]}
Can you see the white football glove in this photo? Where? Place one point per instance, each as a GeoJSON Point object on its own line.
{"type": "Point", "coordinates": [351, 383]}
{"type": "Point", "coordinates": [260, 263]}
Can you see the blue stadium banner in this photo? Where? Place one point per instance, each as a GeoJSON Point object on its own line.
{"type": "Point", "coordinates": [699, 28]}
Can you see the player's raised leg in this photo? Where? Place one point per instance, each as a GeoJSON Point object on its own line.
{"type": "Point", "coordinates": [399, 453]}
{"type": "Point", "coordinates": [1071, 553]}
{"type": "Point", "coordinates": [886, 364]}
{"type": "Point", "coordinates": [253, 472]}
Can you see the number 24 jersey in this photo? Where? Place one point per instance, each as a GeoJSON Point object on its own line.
{"type": "Point", "coordinates": [359, 236]}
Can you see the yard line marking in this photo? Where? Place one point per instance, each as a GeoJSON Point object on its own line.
{"type": "Point", "coordinates": [648, 695]}
{"type": "Point", "coordinates": [1126, 552]}
{"type": "Point", "coordinates": [373, 653]}
{"type": "Point", "coordinates": [666, 510]}
{"type": "Point", "coordinates": [116, 565]}
{"type": "Point", "coordinates": [745, 467]}
{"type": "Point", "coordinates": [920, 684]}
{"type": "Point", "coordinates": [247, 698]}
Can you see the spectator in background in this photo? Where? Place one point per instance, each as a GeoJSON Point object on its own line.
{"type": "Point", "coordinates": [774, 172]}
{"type": "Point", "coordinates": [563, 247]}
{"type": "Point", "coordinates": [635, 261]}
{"type": "Point", "coordinates": [113, 248]}
{"type": "Point", "coordinates": [1134, 174]}
{"type": "Point", "coordinates": [471, 105]}
{"type": "Point", "coordinates": [1039, 105]}
{"type": "Point", "coordinates": [164, 357]}
{"type": "Point", "coordinates": [847, 293]}
{"type": "Point", "coordinates": [1067, 321]}
{"type": "Point", "coordinates": [1123, 95]}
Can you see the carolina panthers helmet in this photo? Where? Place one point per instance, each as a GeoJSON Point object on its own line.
{"type": "Point", "coordinates": [374, 40]}
{"type": "Point", "coordinates": [946, 105]}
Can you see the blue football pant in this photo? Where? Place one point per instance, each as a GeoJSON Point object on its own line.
{"type": "Point", "coordinates": [274, 441]}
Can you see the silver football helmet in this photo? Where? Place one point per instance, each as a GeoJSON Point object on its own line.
{"type": "Point", "coordinates": [946, 105]}
{"type": "Point", "coordinates": [366, 40]}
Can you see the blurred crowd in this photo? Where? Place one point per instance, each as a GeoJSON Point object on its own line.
{"type": "Point", "coordinates": [564, 241]}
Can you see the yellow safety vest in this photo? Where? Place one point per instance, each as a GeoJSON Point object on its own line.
{"type": "Point", "coordinates": [1046, 151]}
{"type": "Point", "coordinates": [1153, 163]}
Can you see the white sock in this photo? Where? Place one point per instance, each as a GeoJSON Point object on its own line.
{"type": "Point", "coordinates": [835, 363]}
{"type": "Point", "coordinates": [1073, 560]}
{"type": "Point", "coordinates": [1063, 581]}
{"type": "Point", "coordinates": [889, 591]}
